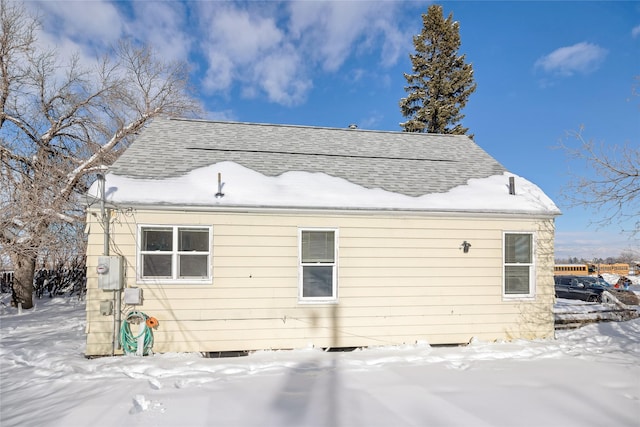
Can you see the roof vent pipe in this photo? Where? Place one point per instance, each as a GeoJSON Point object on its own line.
{"type": "Point", "coordinates": [512, 185]}
{"type": "Point", "coordinates": [220, 194]}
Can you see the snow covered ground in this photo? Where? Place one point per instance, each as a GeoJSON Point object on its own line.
{"type": "Point", "coordinates": [585, 377]}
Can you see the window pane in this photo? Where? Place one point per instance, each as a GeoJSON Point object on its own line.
{"type": "Point", "coordinates": [516, 279]}
{"type": "Point", "coordinates": [318, 246]}
{"type": "Point", "coordinates": [193, 265]}
{"type": "Point", "coordinates": [193, 239]}
{"type": "Point", "coordinates": [157, 239]}
{"type": "Point", "coordinates": [317, 281]}
{"type": "Point", "coordinates": [517, 248]}
{"type": "Point", "coordinates": [156, 265]}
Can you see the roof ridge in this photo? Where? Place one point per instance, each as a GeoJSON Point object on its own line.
{"type": "Point", "coordinates": [285, 125]}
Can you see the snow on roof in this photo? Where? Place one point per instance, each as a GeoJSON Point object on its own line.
{"type": "Point", "coordinates": [177, 162]}
{"type": "Point", "coordinates": [407, 163]}
{"type": "Point", "coordinates": [243, 187]}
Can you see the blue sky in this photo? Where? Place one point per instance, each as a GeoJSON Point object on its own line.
{"type": "Point", "coordinates": [542, 68]}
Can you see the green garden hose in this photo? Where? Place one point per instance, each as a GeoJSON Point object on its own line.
{"type": "Point", "coordinates": [131, 344]}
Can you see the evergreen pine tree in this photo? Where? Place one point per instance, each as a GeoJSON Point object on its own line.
{"type": "Point", "coordinates": [441, 81]}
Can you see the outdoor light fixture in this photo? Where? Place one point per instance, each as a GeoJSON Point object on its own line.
{"type": "Point", "coordinates": [465, 246]}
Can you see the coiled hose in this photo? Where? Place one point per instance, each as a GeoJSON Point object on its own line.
{"type": "Point", "coordinates": [140, 344]}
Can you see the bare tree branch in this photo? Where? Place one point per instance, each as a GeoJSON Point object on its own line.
{"type": "Point", "coordinates": [608, 181]}
{"type": "Point", "coordinates": [60, 122]}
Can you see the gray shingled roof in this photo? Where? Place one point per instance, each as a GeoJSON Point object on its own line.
{"type": "Point", "coordinates": [409, 163]}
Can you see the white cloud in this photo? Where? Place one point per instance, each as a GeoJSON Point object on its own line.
{"type": "Point", "coordinates": [94, 23]}
{"type": "Point", "coordinates": [219, 75]}
{"type": "Point", "coordinates": [581, 57]}
{"type": "Point", "coordinates": [246, 48]}
{"type": "Point", "coordinates": [332, 31]}
{"type": "Point", "coordinates": [279, 76]}
{"type": "Point", "coordinates": [327, 30]}
{"type": "Point", "coordinates": [239, 34]}
{"type": "Point", "coordinates": [90, 28]}
{"type": "Point", "coordinates": [395, 43]}
{"type": "Point", "coordinates": [274, 49]}
{"type": "Point", "coordinates": [162, 25]}
{"type": "Point", "coordinates": [87, 30]}
{"type": "Point", "coordinates": [260, 48]}
{"type": "Point", "coordinates": [635, 32]}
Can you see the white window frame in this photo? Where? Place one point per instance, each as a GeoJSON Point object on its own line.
{"type": "Point", "coordinates": [531, 265]}
{"type": "Point", "coordinates": [174, 279]}
{"type": "Point", "coordinates": [302, 265]}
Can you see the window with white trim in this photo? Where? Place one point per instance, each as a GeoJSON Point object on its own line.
{"type": "Point", "coordinates": [318, 267]}
{"type": "Point", "coordinates": [174, 253]}
{"type": "Point", "coordinates": [519, 265]}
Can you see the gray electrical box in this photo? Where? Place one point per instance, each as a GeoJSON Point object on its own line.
{"type": "Point", "coordinates": [133, 296]}
{"type": "Point", "coordinates": [106, 308]}
{"type": "Point", "coordinates": [110, 273]}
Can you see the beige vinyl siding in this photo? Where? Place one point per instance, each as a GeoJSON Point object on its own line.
{"type": "Point", "coordinates": [401, 279]}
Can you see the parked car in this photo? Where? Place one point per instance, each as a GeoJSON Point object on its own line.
{"type": "Point", "coordinates": [592, 280]}
{"type": "Point", "coordinates": [583, 288]}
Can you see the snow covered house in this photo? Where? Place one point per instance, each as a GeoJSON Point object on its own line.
{"type": "Point", "coordinates": [244, 236]}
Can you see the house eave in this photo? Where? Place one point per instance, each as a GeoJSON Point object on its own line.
{"type": "Point", "coordinates": [332, 210]}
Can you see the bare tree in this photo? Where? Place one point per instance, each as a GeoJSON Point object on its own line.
{"type": "Point", "coordinates": [629, 256]}
{"type": "Point", "coordinates": [609, 182]}
{"type": "Point", "coordinates": [59, 124]}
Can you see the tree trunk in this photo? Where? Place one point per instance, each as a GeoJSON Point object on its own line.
{"type": "Point", "coordinates": [24, 268]}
